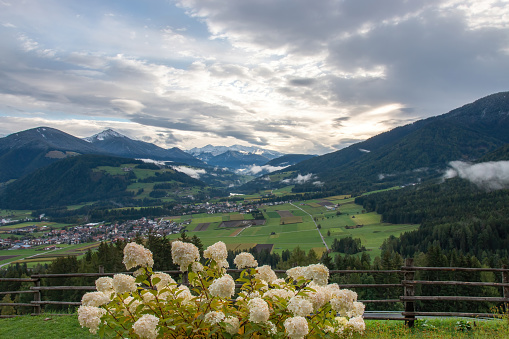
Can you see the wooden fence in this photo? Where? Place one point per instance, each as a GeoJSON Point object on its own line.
{"type": "Point", "coordinates": [407, 282]}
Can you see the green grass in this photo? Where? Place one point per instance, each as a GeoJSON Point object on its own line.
{"type": "Point", "coordinates": [51, 326]}
{"type": "Point", "coordinates": [45, 326]}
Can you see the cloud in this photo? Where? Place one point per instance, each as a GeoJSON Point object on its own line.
{"type": "Point", "coordinates": [487, 175]}
{"type": "Point", "coordinates": [255, 169]}
{"type": "Point", "coordinates": [276, 73]}
{"type": "Point", "coordinates": [300, 179]}
{"type": "Point", "coordinates": [192, 172]}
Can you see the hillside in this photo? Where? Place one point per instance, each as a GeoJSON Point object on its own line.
{"type": "Point", "coordinates": [455, 214]}
{"type": "Point", "coordinates": [91, 178]}
{"type": "Point", "coordinates": [407, 154]}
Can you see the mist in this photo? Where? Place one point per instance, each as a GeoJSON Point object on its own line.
{"type": "Point", "coordinates": [493, 175]}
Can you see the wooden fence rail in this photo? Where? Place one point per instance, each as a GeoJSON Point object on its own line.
{"type": "Point", "coordinates": [407, 283]}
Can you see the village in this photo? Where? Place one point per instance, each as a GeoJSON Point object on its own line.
{"type": "Point", "coordinates": [37, 235]}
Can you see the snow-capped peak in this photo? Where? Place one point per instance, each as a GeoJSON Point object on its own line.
{"type": "Point", "coordinates": [217, 150]}
{"type": "Point", "coordinates": [106, 134]}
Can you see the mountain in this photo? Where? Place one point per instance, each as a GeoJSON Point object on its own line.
{"type": "Point", "coordinates": [236, 159]}
{"type": "Point", "coordinates": [209, 154]}
{"type": "Point", "coordinates": [289, 159]}
{"type": "Point", "coordinates": [26, 151]}
{"type": "Point", "coordinates": [117, 144]}
{"type": "Point", "coordinates": [88, 178]}
{"type": "Point", "coordinates": [407, 154]}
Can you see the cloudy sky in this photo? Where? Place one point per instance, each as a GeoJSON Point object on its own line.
{"type": "Point", "coordinates": [297, 76]}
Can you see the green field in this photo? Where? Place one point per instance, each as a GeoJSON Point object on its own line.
{"type": "Point", "coordinates": [37, 254]}
{"type": "Point", "coordinates": [284, 233]}
{"type": "Point", "coordinates": [303, 234]}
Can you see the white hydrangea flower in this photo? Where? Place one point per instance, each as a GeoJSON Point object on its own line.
{"type": "Point", "coordinates": [213, 317]}
{"type": "Point", "coordinates": [266, 274]}
{"type": "Point", "coordinates": [341, 322]}
{"type": "Point", "coordinates": [137, 255]}
{"type": "Point", "coordinates": [320, 297]}
{"type": "Point", "coordinates": [296, 327]}
{"type": "Point", "coordinates": [300, 306]}
{"type": "Point", "coordinates": [297, 273]}
{"type": "Point", "coordinates": [105, 285]}
{"type": "Point", "coordinates": [223, 287]}
{"type": "Point", "coordinates": [165, 282]}
{"type": "Point", "coordinates": [357, 310]}
{"type": "Point", "coordinates": [148, 297]}
{"type": "Point", "coordinates": [94, 299]}
{"type": "Point", "coordinates": [123, 283]}
{"type": "Point", "coordinates": [146, 326]}
{"type": "Point", "coordinates": [318, 273]}
{"type": "Point", "coordinates": [356, 324]}
{"type": "Point", "coordinates": [258, 310]}
{"type": "Point", "coordinates": [131, 304]}
{"type": "Point", "coordinates": [278, 293]}
{"type": "Point", "coordinates": [196, 267]}
{"type": "Point", "coordinates": [216, 252]}
{"type": "Point", "coordinates": [232, 325]}
{"type": "Point", "coordinates": [184, 292]}
{"type": "Point", "coordinates": [244, 259]}
{"type": "Point", "coordinates": [184, 254]}
{"type": "Point", "coordinates": [90, 316]}
{"type": "Point", "coordinates": [342, 300]}
{"type": "Point", "coordinates": [254, 294]}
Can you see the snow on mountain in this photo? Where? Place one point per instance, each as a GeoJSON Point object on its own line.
{"type": "Point", "coordinates": [104, 135]}
{"type": "Point", "coordinates": [218, 150]}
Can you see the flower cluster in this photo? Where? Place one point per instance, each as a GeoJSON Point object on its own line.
{"type": "Point", "coordinates": [152, 305]}
{"type": "Point", "coordinates": [218, 253]}
{"type": "Point", "coordinates": [243, 260]}
{"type": "Point", "coordinates": [184, 254]}
{"type": "Point", "coordinates": [136, 255]}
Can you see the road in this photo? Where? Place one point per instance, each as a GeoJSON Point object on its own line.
{"type": "Point", "coordinates": [321, 236]}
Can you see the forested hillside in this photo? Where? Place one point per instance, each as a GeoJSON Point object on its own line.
{"type": "Point", "coordinates": [454, 215]}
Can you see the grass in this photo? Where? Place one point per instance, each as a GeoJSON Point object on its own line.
{"type": "Point", "coordinates": [50, 326]}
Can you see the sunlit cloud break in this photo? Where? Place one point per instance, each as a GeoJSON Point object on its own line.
{"type": "Point", "coordinates": [487, 175]}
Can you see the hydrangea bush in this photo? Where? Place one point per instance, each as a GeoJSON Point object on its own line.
{"type": "Point", "coordinates": [153, 305]}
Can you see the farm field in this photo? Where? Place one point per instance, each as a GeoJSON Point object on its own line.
{"type": "Point", "coordinates": [287, 227]}
{"type": "Point", "coordinates": [37, 254]}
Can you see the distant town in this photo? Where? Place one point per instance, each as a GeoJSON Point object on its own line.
{"type": "Point", "coordinates": [97, 232]}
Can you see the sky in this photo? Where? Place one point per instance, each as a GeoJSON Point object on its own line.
{"type": "Point", "coordinates": [295, 76]}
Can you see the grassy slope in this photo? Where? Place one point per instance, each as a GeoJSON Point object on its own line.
{"type": "Point", "coordinates": [49, 326]}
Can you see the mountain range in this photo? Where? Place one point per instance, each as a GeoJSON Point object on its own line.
{"type": "Point", "coordinates": [234, 157]}
{"type": "Point", "coordinates": [117, 144]}
{"type": "Point", "coordinates": [25, 151]}
{"type": "Point", "coordinates": [407, 154]}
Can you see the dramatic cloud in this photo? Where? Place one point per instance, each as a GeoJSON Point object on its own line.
{"type": "Point", "coordinates": [486, 175]}
{"type": "Point", "coordinates": [291, 75]}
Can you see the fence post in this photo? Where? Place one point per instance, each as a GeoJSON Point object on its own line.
{"type": "Point", "coordinates": [409, 291]}
{"type": "Point", "coordinates": [505, 289]}
{"type": "Point", "coordinates": [101, 269]}
{"type": "Point", "coordinates": [185, 278]}
{"type": "Point", "coordinates": [37, 297]}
